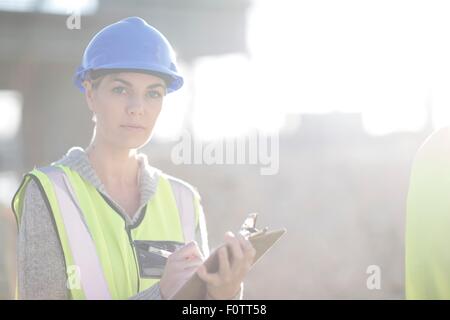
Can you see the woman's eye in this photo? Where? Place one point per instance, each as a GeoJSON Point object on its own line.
{"type": "Point", "coordinates": [154, 94]}
{"type": "Point", "coordinates": [119, 90]}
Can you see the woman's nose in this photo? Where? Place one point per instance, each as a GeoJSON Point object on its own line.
{"type": "Point", "coordinates": [135, 105]}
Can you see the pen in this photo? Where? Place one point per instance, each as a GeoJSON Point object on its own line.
{"type": "Point", "coordinates": [161, 252]}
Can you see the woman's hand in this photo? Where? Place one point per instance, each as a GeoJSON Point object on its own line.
{"type": "Point", "coordinates": [181, 265]}
{"type": "Point", "coordinates": [226, 283]}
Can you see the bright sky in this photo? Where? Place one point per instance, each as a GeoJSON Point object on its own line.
{"type": "Point", "coordinates": [51, 6]}
{"type": "Point", "coordinates": [386, 59]}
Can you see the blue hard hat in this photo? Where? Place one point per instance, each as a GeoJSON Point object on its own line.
{"type": "Point", "coordinates": [130, 44]}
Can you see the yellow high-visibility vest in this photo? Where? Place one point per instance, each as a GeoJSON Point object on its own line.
{"type": "Point", "coordinates": [113, 261]}
{"type": "Point", "coordinates": [427, 240]}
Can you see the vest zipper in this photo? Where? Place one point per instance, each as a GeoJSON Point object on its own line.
{"type": "Point", "coordinates": [130, 238]}
{"type": "Point", "coordinates": [128, 230]}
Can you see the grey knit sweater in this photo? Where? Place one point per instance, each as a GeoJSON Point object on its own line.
{"type": "Point", "coordinates": [41, 271]}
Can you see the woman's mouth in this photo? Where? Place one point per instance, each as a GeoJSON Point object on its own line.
{"type": "Point", "coordinates": [132, 127]}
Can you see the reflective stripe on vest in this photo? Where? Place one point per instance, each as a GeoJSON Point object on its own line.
{"type": "Point", "coordinates": [185, 205]}
{"type": "Point", "coordinates": [81, 244]}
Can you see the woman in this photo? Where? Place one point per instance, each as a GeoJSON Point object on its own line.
{"type": "Point", "coordinates": [95, 223]}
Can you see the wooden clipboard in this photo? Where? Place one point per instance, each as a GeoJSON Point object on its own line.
{"type": "Point", "coordinates": [195, 288]}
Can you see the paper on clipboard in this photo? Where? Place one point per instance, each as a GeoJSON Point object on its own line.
{"type": "Point", "coordinates": [262, 241]}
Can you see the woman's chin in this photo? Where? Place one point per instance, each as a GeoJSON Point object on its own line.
{"type": "Point", "coordinates": [134, 143]}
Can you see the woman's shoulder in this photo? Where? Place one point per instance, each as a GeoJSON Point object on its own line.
{"type": "Point", "coordinates": [154, 174]}
{"type": "Point", "coordinates": [35, 210]}
{"type": "Point", "coordinates": [32, 194]}
{"type": "Point", "coordinates": [180, 184]}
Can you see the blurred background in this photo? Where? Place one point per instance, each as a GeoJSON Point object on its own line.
{"type": "Point", "coordinates": [352, 89]}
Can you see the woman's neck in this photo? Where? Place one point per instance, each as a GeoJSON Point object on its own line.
{"type": "Point", "coordinates": [115, 167]}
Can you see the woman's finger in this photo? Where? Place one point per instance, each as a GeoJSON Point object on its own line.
{"type": "Point", "coordinates": [224, 265]}
{"type": "Point", "coordinates": [189, 250]}
{"type": "Point", "coordinates": [188, 272]}
{"type": "Point", "coordinates": [238, 255]}
{"type": "Point", "coordinates": [210, 278]}
{"type": "Point", "coordinates": [248, 249]}
{"type": "Point", "coordinates": [192, 262]}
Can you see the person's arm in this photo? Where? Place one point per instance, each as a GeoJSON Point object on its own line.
{"type": "Point", "coordinates": [41, 272]}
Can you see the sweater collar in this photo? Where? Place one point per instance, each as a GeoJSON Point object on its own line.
{"type": "Point", "coordinates": [76, 159]}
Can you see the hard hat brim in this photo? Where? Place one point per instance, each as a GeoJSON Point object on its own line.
{"type": "Point", "coordinates": [173, 80]}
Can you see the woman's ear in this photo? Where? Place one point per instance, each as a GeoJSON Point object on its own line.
{"type": "Point", "coordinates": [89, 94]}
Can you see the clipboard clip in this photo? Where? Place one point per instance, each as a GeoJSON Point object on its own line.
{"type": "Point", "coordinates": [248, 228]}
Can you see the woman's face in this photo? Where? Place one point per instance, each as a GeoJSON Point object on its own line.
{"type": "Point", "coordinates": [126, 106]}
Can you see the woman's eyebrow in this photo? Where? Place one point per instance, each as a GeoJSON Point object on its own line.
{"type": "Point", "coordinates": [123, 81]}
{"type": "Point", "coordinates": [151, 86]}
{"type": "Point", "coordinates": [156, 85]}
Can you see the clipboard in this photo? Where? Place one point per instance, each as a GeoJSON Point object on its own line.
{"type": "Point", "coordinates": [262, 241]}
